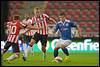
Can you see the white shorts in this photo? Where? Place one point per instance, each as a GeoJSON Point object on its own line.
{"type": "Point", "coordinates": [62, 42]}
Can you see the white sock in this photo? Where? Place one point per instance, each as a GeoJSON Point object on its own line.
{"type": "Point", "coordinates": [24, 47]}
{"type": "Point", "coordinates": [27, 50]}
{"type": "Point", "coordinates": [11, 57]}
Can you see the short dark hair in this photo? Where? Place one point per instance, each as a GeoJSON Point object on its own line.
{"type": "Point", "coordinates": [62, 14]}
{"type": "Point", "coordinates": [16, 17]}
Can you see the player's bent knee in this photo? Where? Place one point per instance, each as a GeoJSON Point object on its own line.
{"type": "Point", "coordinates": [62, 46]}
{"type": "Point", "coordinates": [43, 47]}
{"type": "Point", "coordinates": [32, 42]}
{"type": "Point", "coordinates": [56, 48]}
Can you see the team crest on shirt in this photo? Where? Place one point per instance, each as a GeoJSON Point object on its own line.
{"type": "Point", "coordinates": [67, 24]}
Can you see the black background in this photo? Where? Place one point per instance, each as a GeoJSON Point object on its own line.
{"type": "Point", "coordinates": [4, 15]}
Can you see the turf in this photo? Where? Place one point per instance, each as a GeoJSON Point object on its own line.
{"type": "Point", "coordinates": [77, 59]}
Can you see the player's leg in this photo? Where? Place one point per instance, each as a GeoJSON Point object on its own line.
{"type": "Point", "coordinates": [12, 57]}
{"type": "Point", "coordinates": [66, 52]}
{"type": "Point", "coordinates": [57, 48]}
{"type": "Point", "coordinates": [28, 49]}
{"type": "Point", "coordinates": [6, 47]}
{"type": "Point", "coordinates": [64, 49]}
{"type": "Point", "coordinates": [32, 42]}
{"type": "Point", "coordinates": [58, 45]}
{"type": "Point", "coordinates": [28, 40]}
{"type": "Point", "coordinates": [44, 52]}
{"type": "Point", "coordinates": [24, 46]}
{"type": "Point", "coordinates": [32, 51]}
{"type": "Point", "coordinates": [64, 44]}
{"type": "Point", "coordinates": [44, 42]}
{"type": "Point", "coordinates": [24, 39]}
{"type": "Point", "coordinates": [56, 51]}
{"type": "Point", "coordinates": [16, 52]}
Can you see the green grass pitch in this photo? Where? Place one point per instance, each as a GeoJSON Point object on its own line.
{"type": "Point", "coordinates": [77, 59]}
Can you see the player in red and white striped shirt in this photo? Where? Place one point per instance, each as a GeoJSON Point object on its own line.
{"type": "Point", "coordinates": [12, 40]}
{"type": "Point", "coordinates": [42, 34]}
{"type": "Point", "coordinates": [28, 35]}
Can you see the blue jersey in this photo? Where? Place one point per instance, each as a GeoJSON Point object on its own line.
{"type": "Point", "coordinates": [65, 29]}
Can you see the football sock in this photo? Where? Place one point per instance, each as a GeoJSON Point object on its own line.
{"type": "Point", "coordinates": [27, 50]}
{"type": "Point", "coordinates": [65, 50]}
{"type": "Point", "coordinates": [55, 53]}
{"type": "Point", "coordinates": [24, 46]}
{"type": "Point", "coordinates": [11, 57]}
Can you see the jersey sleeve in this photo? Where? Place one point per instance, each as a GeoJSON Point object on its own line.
{"type": "Point", "coordinates": [22, 24]}
{"type": "Point", "coordinates": [33, 20]}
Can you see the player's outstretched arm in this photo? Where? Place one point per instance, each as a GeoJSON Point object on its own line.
{"type": "Point", "coordinates": [33, 28]}
{"type": "Point", "coordinates": [53, 21]}
{"type": "Point", "coordinates": [30, 27]}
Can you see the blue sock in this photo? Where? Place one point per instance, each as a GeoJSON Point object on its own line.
{"type": "Point", "coordinates": [55, 53]}
{"type": "Point", "coordinates": [65, 50]}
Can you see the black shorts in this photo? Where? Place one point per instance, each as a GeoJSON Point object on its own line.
{"type": "Point", "coordinates": [26, 38]}
{"type": "Point", "coordinates": [15, 46]}
{"type": "Point", "coordinates": [43, 38]}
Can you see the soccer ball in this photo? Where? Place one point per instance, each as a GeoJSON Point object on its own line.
{"type": "Point", "coordinates": [58, 59]}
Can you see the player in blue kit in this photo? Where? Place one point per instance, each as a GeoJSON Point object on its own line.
{"type": "Point", "coordinates": [64, 26]}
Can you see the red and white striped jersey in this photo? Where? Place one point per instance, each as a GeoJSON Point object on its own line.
{"type": "Point", "coordinates": [41, 22]}
{"type": "Point", "coordinates": [27, 22]}
{"type": "Point", "coordinates": [14, 28]}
